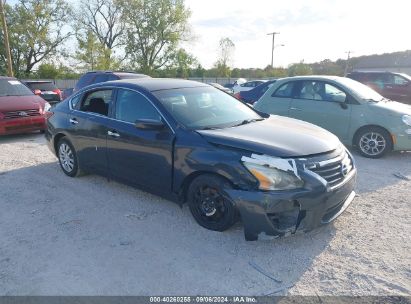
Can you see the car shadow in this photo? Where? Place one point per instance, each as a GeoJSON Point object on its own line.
{"type": "Point", "coordinates": [376, 174]}
{"type": "Point", "coordinates": [33, 136]}
{"type": "Point", "coordinates": [89, 236]}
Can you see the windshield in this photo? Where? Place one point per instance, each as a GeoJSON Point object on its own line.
{"type": "Point", "coordinates": [12, 87]}
{"type": "Point", "coordinates": [361, 90]}
{"type": "Point", "coordinates": [205, 108]}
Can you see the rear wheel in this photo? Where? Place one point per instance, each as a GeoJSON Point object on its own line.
{"type": "Point", "coordinates": [67, 158]}
{"type": "Point", "coordinates": [209, 205]}
{"type": "Point", "coordinates": [373, 142]}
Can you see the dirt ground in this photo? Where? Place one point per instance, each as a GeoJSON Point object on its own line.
{"type": "Point", "coordinates": [88, 236]}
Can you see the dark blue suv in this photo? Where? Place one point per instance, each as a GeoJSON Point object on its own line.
{"type": "Point", "coordinates": [103, 76]}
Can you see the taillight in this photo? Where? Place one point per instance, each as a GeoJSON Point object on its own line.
{"type": "Point", "coordinates": [58, 92]}
{"type": "Point", "coordinates": [237, 95]}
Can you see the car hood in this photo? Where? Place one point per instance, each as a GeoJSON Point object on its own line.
{"type": "Point", "coordinates": [276, 136]}
{"type": "Point", "coordinates": [393, 107]}
{"type": "Point", "coordinates": [17, 103]}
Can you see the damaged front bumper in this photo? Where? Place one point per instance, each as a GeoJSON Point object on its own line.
{"type": "Point", "coordinates": [280, 213]}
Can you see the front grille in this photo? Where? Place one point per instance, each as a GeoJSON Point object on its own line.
{"type": "Point", "coordinates": [335, 170]}
{"type": "Point", "coordinates": [21, 114]}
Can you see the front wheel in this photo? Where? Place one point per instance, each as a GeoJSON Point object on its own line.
{"type": "Point", "coordinates": [67, 158]}
{"type": "Point", "coordinates": [373, 142]}
{"type": "Point", "coordinates": [209, 205]}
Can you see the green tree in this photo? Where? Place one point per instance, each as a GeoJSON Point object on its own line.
{"type": "Point", "coordinates": [184, 62]}
{"type": "Point", "coordinates": [93, 55]}
{"type": "Point", "coordinates": [301, 68]}
{"type": "Point", "coordinates": [225, 54]}
{"type": "Point", "coordinates": [36, 32]}
{"type": "Point", "coordinates": [47, 71]}
{"type": "Point", "coordinates": [99, 22]}
{"type": "Point", "coordinates": [154, 30]}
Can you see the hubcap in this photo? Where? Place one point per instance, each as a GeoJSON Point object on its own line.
{"type": "Point", "coordinates": [372, 143]}
{"type": "Point", "coordinates": [210, 204]}
{"type": "Point", "coordinates": [66, 157]}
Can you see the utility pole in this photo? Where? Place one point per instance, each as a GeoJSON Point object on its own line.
{"type": "Point", "coordinates": [6, 40]}
{"type": "Point", "coordinates": [272, 48]}
{"type": "Point", "coordinates": [347, 62]}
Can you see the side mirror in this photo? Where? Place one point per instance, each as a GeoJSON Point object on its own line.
{"type": "Point", "coordinates": [149, 124]}
{"type": "Point", "coordinates": [37, 92]}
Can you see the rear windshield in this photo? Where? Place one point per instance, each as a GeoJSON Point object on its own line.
{"type": "Point", "coordinates": [43, 86]}
{"type": "Point", "coordinates": [13, 87]}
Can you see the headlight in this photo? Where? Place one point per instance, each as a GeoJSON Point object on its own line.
{"type": "Point", "coordinates": [47, 107]}
{"type": "Point", "coordinates": [406, 119]}
{"type": "Point", "coordinates": [274, 179]}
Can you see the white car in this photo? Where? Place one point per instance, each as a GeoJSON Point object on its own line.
{"type": "Point", "coordinates": [246, 86]}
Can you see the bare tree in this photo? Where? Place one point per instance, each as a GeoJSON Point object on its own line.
{"type": "Point", "coordinates": [225, 54]}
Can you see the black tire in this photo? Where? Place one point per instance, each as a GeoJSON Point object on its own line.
{"type": "Point", "coordinates": [209, 205]}
{"type": "Point", "coordinates": [373, 142]}
{"type": "Point", "coordinates": [67, 157]}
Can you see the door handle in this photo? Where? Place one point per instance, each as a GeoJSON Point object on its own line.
{"type": "Point", "coordinates": [73, 121]}
{"type": "Point", "coordinates": [295, 109]}
{"type": "Point", "coordinates": [113, 134]}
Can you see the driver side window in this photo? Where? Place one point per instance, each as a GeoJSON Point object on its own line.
{"type": "Point", "coordinates": [333, 93]}
{"type": "Point", "coordinates": [132, 106]}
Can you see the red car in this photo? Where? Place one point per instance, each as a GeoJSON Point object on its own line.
{"type": "Point", "coordinates": [20, 109]}
{"type": "Point", "coordinates": [395, 86]}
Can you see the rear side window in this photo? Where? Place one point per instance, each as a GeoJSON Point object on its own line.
{"type": "Point", "coordinates": [13, 87]}
{"type": "Point", "coordinates": [132, 106]}
{"type": "Point", "coordinates": [285, 91]}
{"type": "Point", "coordinates": [43, 86]}
{"type": "Point", "coordinates": [97, 102]}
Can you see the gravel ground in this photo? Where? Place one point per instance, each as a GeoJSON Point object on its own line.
{"type": "Point", "coordinates": [89, 236]}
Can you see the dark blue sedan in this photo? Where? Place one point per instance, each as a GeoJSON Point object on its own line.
{"type": "Point", "coordinates": [253, 95]}
{"type": "Point", "coordinates": [192, 143]}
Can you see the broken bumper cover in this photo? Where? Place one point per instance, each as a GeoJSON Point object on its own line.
{"type": "Point", "coordinates": [280, 213]}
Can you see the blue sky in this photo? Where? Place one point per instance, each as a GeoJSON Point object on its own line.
{"type": "Point", "coordinates": [311, 30]}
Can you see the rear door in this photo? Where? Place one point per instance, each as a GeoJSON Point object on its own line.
{"type": "Point", "coordinates": [323, 104]}
{"type": "Point", "coordinates": [88, 121]}
{"type": "Point", "coordinates": [139, 156]}
{"type": "Point", "coordinates": [279, 101]}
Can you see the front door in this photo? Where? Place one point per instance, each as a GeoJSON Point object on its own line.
{"type": "Point", "coordinates": [324, 105]}
{"type": "Point", "coordinates": [139, 156]}
{"type": "Point", "coordinates": [397, 88]}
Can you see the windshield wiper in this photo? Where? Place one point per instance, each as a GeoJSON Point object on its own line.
{"type": "Point", "coordinates": [209, 128]}
{"type": "Point", "coordinates": [247, 121]}
{"type": "Point", "coordinates": [371, 100]}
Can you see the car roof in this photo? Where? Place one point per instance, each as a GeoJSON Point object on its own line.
{"type": "Point", "coordinates": [374, 72]}
{"type": "Point", "coordinates": [153, 84]}
{"type": "Point", "coordinates": [118, 73]}
{"type": "Point", "coordinates": [313, 77]}
{"type": "Point", "coordinates": [7, 77]}
{"type": "Point", "coordinates": [38, 81]}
